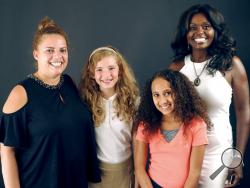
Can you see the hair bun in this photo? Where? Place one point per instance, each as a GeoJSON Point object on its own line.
{"type": "Point", "coordinates": [47, 26]}
{"type": "Point", "coordinates": [45, 23]}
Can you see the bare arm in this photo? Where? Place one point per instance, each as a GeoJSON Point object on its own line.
{"type": "Point", "coordinates": [16, 100]}
{"type": "Point", "coordinates": [136, 184]}
{"type": "Point", "coordinates": [196, 160]}
{"type": "Point", "coordinates": [140, 159]}
{"type": "Point", "coordinates": [242, 109]}
{"type": "Point", "coordinates": [9, 167]}
{"type": "Point", "coordinates": [241, 103]}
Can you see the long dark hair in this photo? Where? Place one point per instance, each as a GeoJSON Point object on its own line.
{"type": "Point", "coordinates": [222, 48]}
{"type": "Point", "coordinates": [188, 104]}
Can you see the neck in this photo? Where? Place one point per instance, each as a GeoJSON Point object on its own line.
{"type": "Point", "coordinates": [199, 56]}
{"type": "Point", "coordinates": [47, 80]}
{"type": "Point", "coordinates": [108, 93]}
{"type": "Point", "coordinates": [171, 123]}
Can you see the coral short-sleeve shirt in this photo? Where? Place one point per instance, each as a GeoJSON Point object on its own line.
{"type": "Point", "coordinates": [169, 161]}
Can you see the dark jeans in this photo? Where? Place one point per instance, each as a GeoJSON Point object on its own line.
{"type": "Point", "coordinates": [155, 185]}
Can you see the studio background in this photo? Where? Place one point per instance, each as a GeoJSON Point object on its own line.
{"type": "Point", "coordinates": [141, 30]}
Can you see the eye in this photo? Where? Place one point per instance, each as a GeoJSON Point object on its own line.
{"type": "Point", "coordinates": [111, 68]}
{"type": "Point", "coordinates": [168, 93]}
{"type": "Point", "coordinates": [192, 27]}
{"type": "Point", "coordinates": [50, 50]}
{"type": "Point", "coordinates": [98, 70]}
{"type": "Point", "coordinates": [64, 50]}
{"type": "Point", "coordinates": [206, 26]}
{"type": "Point", "coordinates": [155, 95]}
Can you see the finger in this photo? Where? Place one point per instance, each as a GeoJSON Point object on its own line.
{"type": "Point", "coordinates": [230, 185]}
{"type": "Point", "coordinates": [232, 181]}
{"type": "Point", "coordinates": [236, 179]}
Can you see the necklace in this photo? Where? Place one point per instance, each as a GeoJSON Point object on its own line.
{"type": "Point", "coordinates": [197, 80]}
{"type": "Point", "coordinates": [39, 81]}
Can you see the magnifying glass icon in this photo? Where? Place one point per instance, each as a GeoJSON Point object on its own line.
{"type": "Point", "coordinates": [231, 158]}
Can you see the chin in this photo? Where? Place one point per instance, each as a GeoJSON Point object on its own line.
{"type": "Point", "coordinates": [107, 87]}
{"type": "Point", "coordinates": [56, 73]}
{"type": "Point", "coordinates": [201, 46]}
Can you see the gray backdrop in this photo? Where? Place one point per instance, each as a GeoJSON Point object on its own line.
{"type": "Point", "coordinates": [141, 29]}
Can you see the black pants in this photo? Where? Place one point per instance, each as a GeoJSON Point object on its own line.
{"type": "Point", "coordinates": [155, 185]}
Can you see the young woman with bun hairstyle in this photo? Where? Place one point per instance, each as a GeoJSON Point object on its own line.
{"type": "Point", "coordinates": [46, 131]}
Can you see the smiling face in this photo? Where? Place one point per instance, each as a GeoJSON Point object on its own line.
{"type": "Point", "coordinates": [107, 74]}
{"type": "Point", "coordinates": [51, 55]}
{"type": "Point", "coordinates": [201, 33]}
{"type": "Point", "coordinates": [163, 96]}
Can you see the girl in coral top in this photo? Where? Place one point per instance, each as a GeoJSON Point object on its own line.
{"type": "Point", "coordinates": [172, 123]}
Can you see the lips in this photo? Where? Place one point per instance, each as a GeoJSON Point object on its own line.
{"type": "Point", "coordinates": [106, 81]}
{"type": "Point", "coordinates": [56, 64]}
{"type": "Point", "coordinates": [200, 40]}
{"type": "Point", "coordinates": [165, 107]}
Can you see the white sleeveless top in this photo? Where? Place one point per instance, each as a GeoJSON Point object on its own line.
{"type": "Point", "coordinates": [113, 136]}
{"type": "Point", "coordinates": [217, 94]}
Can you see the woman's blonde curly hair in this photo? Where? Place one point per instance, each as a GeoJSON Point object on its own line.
{"type": "Point", "coordinates": [126, 88]}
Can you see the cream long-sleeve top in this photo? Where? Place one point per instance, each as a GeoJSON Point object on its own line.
{"type": "Point", "coordinates": [113, 136]}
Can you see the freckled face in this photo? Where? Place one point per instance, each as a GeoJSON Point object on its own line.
{"type": "Point", "coordinates": [162, 96]}
{"type": "Point", "coordinates": [201, 32]}
{"type": "Point", "coordinates": [107, 74]}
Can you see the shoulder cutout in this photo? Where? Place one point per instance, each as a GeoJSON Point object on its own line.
{"type": "Point", "coordinates": [16, 100]}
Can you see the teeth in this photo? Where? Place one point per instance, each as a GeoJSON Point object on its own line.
{"type": "Point", "coordinates": [107, 81]}
{"type": "Point", "coordinates": [200, 40]}
{"type": "Point", "coordinates": [56, 64]}
{"type": "Point", "coordinates": [164, 107]}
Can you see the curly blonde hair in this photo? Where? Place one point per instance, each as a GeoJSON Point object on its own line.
{"type": "Point", "coordinates": [126, 88]}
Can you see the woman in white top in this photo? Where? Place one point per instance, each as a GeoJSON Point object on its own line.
{"type": "Point", "coordinates": [206, 54]}
{"type": "Point", "coordinates": [110, 89]}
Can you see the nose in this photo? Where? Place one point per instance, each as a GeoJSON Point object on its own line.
{"type": "Point", "coordinates": [106, 73]}
{"type": "Point", "coordinates": [200, 29]}
{"type": "Point", "coordinates": [57, 54]}
{"type": "Point", "coordinates": [162, 100]}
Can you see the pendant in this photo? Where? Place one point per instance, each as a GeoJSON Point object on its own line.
{"type": "Point", "coordinates": [197, 81]}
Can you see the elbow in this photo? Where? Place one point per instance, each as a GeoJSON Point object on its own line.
{"type": "Point", "coordinates": [194, 174]}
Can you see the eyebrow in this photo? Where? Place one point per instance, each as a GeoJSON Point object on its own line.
{"type": "Point", "coordinates": [55, 47]}
{"type": "Point", "coordinates": [105, 66]}
{"type": "Point", "coordinates": [207, 22]}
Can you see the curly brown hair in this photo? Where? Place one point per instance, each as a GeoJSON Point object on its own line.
{"type": "Point", "coordinates": [188, 104]}
{"type": "Point", "coordinates": [126, 88]}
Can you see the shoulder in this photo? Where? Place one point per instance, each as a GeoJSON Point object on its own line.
{"type": "Point", "coordinates": [237, 66]}
{"type": "Point", "coordinates": [16, 100]}
{"type": "Point", "coordinates": [238, 72]}
{"type": "Point", "coordinates": [68, 80]}
{"type": "Point", "coordinates": [197, 123]}
{"type": "Point", "coordinates": [176, 65]}
{"type": "Point", "coordinates": [67, 77]}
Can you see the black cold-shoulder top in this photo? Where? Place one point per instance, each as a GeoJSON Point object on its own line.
{"type": "Point", "coordinates": [53, 136]}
